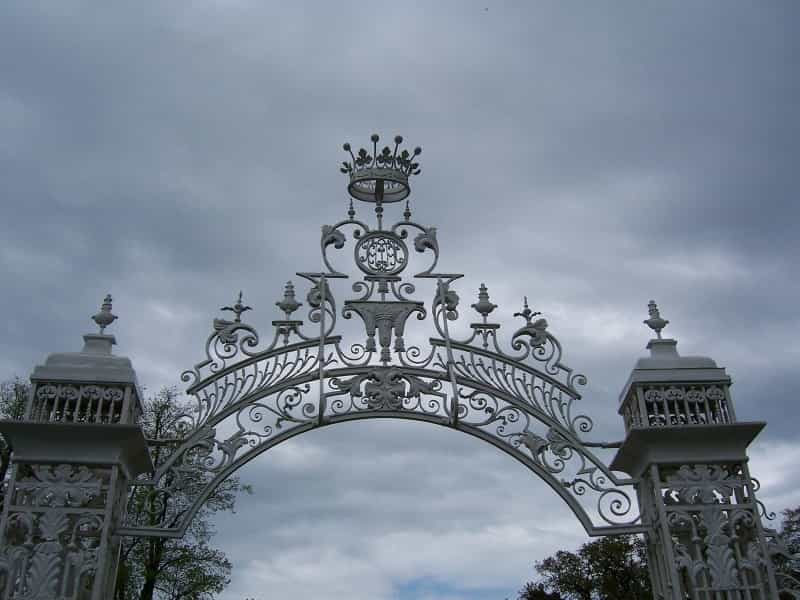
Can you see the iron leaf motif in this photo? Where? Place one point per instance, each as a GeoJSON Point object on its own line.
{"type": "Point", "coordinates": [720, 558]}
{"type": "Point", "coordinates": [384, 388]}
{"type": "Point", "coordinates": [700, 484]}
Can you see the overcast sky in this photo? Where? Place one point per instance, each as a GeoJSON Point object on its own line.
{"type": "Point", "coordinates": [589, 155]}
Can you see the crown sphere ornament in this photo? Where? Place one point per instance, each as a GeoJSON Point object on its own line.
{"type": "Point", "coordinates": [381, 176]}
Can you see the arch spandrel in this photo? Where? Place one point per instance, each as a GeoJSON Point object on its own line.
{"type": "Point", "coordinates": [514, 393]}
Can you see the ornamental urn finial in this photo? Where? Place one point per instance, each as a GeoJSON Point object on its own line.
{"type": "Point", "coordinates": [655, 322]}
{"type": "Point", "coordinates": [289, 303]}
{"type": "Point", "coordinates": [105, 317]}
{"type": "Point", "coordinates": [238, 308]}
{"type": "Point", "coordinates": [483, 306]}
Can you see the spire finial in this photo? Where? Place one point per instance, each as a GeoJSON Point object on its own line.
{"type": "Point", "coordinates": [351, 212]}
{"type": "Point", "coordinates": [407, 211]}
{"type": "Point", "coordinates": [655, 322]}
{"type": "Point", "coordinates": [105, 317]}
{"type": "Point", "coordinates": [526, 313]}
{"type": "Point", "coordinates": [238, 308]}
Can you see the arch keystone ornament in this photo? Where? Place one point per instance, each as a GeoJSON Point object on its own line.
{"type": "Point", "coordinates": [679, 478]}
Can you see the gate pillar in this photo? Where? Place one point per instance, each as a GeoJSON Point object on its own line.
{"type": "Point", "coordinates": [72, 458]}
{"type": "Point", "coordinates": [697, 498]}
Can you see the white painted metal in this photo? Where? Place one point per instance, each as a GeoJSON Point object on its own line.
{"type": "Point", "coordinates": [79, 450]}
{"type": "Point", "coordinates": [74, 456]}
{"type": "Point", "coordinates": [705, 535]}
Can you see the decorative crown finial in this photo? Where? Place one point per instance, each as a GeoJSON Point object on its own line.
{"type": "Point", "coordinates": [655, 322]}
{"type": "Point", "coordinates": [288, 304]}
{"type": "Point", "coordinates": [238, 308]}
{"type": "Point", "coordinates": [380, 176]}
{"type": "Point", "coordinates": [105, 317]}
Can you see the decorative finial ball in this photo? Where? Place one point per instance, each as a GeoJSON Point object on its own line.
{"type": "Point", "coordinates": [346, 147]}
{"type": "Point", "coordinates": [417, 150]}
{"type": "Point", "coordinates": [375, 137]}
{"type": "Point", "coordinates": [398, 139]}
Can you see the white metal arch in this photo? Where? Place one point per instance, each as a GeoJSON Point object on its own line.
{"type": "Point", "coordinates": [520, 399]}
{"type": "Point", "coordinates": [80, 449]}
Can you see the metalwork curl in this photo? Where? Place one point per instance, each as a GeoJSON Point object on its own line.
{"type": "Point", "coordinates": [366, 288]}
{"type": "Point", "coordinates": [519, 398]}
{"type": "Point", "coordinates": [410, 358]}
{"type": "Point", "coordinates": [321, 301]}
{"type": "Point", "coordinates": [424, 240]}
{"type": "Point", "coordinates": [359, 355]}
{"type": "Point", "coordinates": [619, 506]}
{"type": "Point", "coordinates": [401, 290]}
{"type": "Point", "coordinates": [229, 339]}
{"type": "Point", "coordinates": [284, 403]}
{"type": "Point", "coordinates": [763, 512]}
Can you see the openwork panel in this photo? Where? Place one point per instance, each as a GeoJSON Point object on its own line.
{"type": "Point", "coordinates": [224, 386]}
{"type": "Point", "coordinates": [55, 527]}
{"type": "Point", "coordinates": [713, 518]}
{"type": "Point", "coordinates": [551, 450]}
{"type": "Point", "coordinates": [545, 394]}
{"type": "Point", "coordinates": [72, 403]}
{"type": "Point", "coordinates": [677, 405]}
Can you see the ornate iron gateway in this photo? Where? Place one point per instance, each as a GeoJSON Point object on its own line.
{"type": "Point", "coordinates": [252, 393]}
{"type": "Point", "coordinates": [327, 361]}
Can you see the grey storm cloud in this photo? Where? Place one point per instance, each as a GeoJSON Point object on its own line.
{"type": "Point", "coordinates": [590, 157]}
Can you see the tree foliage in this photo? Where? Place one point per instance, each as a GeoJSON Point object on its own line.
{"type": "Point", "coordinates": [790, 529]}
{"type": "Point", "coordinates": [13, 397]}
{"type": "Point", "coordinates": [189, 568]}
{"type": "Point", "coordinates": [536, 591]}
{"type": "Point", "coordinates": [611, 568]}
{"type": "Point", "coordinates": [788, 566]}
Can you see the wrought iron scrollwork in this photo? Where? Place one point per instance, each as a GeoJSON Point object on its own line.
{"type": "Point", "coordinates": [517, 395]}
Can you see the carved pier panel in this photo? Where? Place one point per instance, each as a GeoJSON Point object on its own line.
{"type": "Point", "coordinates": [707, 541]}
{"type": "Point", "coordinates": [58, 541]}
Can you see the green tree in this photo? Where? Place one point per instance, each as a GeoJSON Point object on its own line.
{"type": "Point", "coordinates": [611, 568]}
{"type": "Point", "coordinates": [189, 568]}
